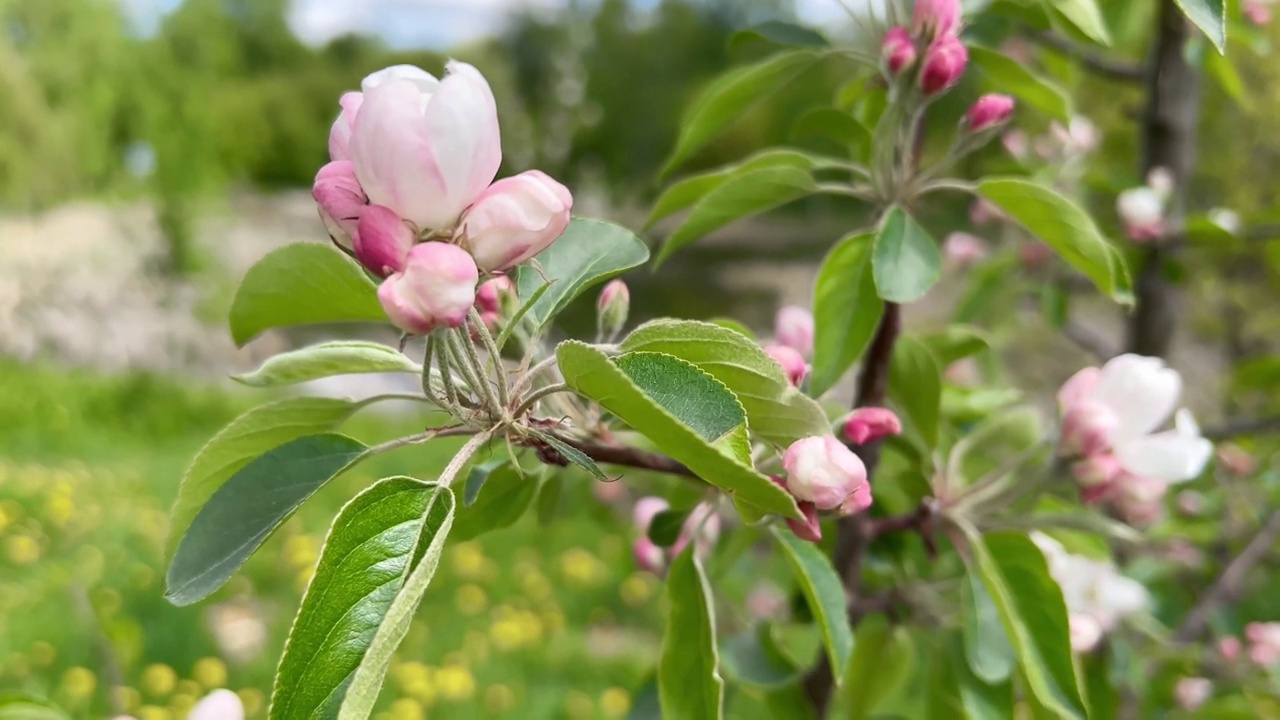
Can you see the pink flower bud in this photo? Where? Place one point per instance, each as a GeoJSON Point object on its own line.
{"type": "Point", "coordinates": [793, 327]}
{"type": "Point", "coordinates": [1236, 460]}
{"type": "Point", "coordinates": [869, 424]}
{"type": "Point", "coordinates": [648, 557]}
{"type": "Point", "coordinates": [608, 492]}
{"type": "Point", "coordinates": [824, 472]}
{"type": "Point", "coordinates": [1034, 253]}
{"type": "Point", "coordinates": [1229, 648]}
{"type": "Point", "coordinates": [645, 510]}
{"type": "Point", "coordinates": [1085, 632]}
{"type": "Point", "coordinates": [437, 287]}
{"type": "Point", "coordinates": [1192, 692]}
{"type": "Point", "coordinates": [338, 194]}
{"type": "Point", "coordinates": [944, 65]}
{"type": "Point", "coordinates": [792, 363]}
{"type": "Point", "coordinates": [983, 211]}
{"type": "Point", "coordinates": [426, 148]}
{"type": "Point", "coordinates": [1087, 428]}
{"type": "Point", "coordinates": [1140, 500]}
{"type": "Point", "coordinates": [810, 528]}
{"type": "Point", "coordinates": [704, 521]}
{"type": "Point", "coordinates": [340, 133]}
{"type": "Point", "coordinates": [515, 219]}
{"type": "Point", "coordinates": [1190, 503]}
{"type": "Point", "coordinates": [988, 112]}
{"type": "Point", "coordinates": [382, 241]}
{"type": "Point", "coordinates": [1016, 144]}
{"type": "Point", "coordinates": [962, 249]}
{"type": "Point", "coordinates": [898, 51]}
{"type": "Point", "coordinates": [491, 292]}
{"type": "Point", "coordinates": [936, 18]}
{"type": "Point", "coordinates": [613, 308]}
{"type": "Point", "coordinates": [1141, 210]}
{"type": "Point", "coordinates": [1096, 471]}
{"type": "Point", "coordinates": [765, 601]}
{"type": "Point", "coordinates": [1257, 12]}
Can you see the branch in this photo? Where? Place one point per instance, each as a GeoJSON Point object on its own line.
{"type": "Point", "coordinates": [1247, 426]}
{"type": "Point", "coordinates": [1089, 341]}
{"type": "Point", "coordinates": [629, 457]}
{"type": "Point", "coordinates": [1091, 59]}
{"type": "Point", "coordinates": [919, 521]}
{"type": "Point", "coordinates": [1230, 584]}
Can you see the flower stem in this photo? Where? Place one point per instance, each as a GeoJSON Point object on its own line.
{"type": "Point", "coordinates": [464, 354]}
{"type": "Point", "coordinates": [494, 355]}
{"type": "Point", "coordinates": [537, 395]}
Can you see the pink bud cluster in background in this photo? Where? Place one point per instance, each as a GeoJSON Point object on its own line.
{"type": "Point", "coordinates": [793, 342]}
{"type": "Point", "coordinates": [702, 522]}
{"type": "Point", "coordinates": [1257, 12]}
{"type": "Point", "coordinates": [1110, 417]}
{"type": "Point", "coordinates": [1261, 645]}
{"type": "Point", "coordinates": [410, 190]}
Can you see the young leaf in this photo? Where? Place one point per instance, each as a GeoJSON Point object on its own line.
{"type": "Point", "coordinates": [248, 507]}
{"type": "Point", "coordinates": [986, 647]}
{"type": "Point", "coordinates": [906, 261]}
{"type": "Point", "coordinates": [476, 478]}
{"type": "Point", "coordinates": [368, 554]}
{"type": "Point", "coordinates": [1211, 17]}
{"type": "Point", "coordinates": [19, 706]}
{"type": "Point", "coordinates": [776, 411]}
{"type": "Point", "coordinates": [824, 593]}
{"type": "Point", "coordinates": [778, 33]}
{"type": "Point", "coordinates": [1034, 616]}
{"type": "Point", "coordinates": [502, 501]}
{"type": "Point", "coordinates": [993, 443]}
{"type": "Point", "coordinates": [572, 454]}
{"type": "Point", "coordinates": [915, 382]}
{"type": "Point", "coordinates": [956, 342]}
{"type": "Point", "coordinates": [1065, 227]}
{"type": "Point", "coordinates": [302, 284]}
{"type": "Point", "coordinates": [1015, 78]}
{"type": "Point", "coordinates": [589, 253]}
{"type": "Point", "coordinates": [754, 658]}
{"type": "Point", "coordinates": [685, 193]}
{"type": "Point", "coordinates": [729, 96]}
{"type": "Point", "coordinates": [367, 680]}
{"type": "Point", "coordinates": [1086, 16]}
{"type": "Point", "coordinates": [665, 527]}
{"type": "Point", "coordinates": [846, 311]}
{"type": "Point", "coordinates": [248, 436]}
{"type": "Point", "coordinates": [835, 126]}
{"type": "Point", "coordinates": [689, 682]}
{"type": "Point", "coordinates": [741, 195]}
{"type": "Point", "coordinates": [882, 663]}
{"type": "Point", "coordinates": [549, 494]}
{"type": "Point", "coordinates": [671, 399]}
{"type": "Point", "coordinates": [326, 359]}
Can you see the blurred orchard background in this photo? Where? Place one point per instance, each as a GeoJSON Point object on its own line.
{"type": "Point", "coordinates": [152, 150]}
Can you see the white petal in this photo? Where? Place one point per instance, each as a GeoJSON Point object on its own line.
{"type": "Point", "coordinates": [1169, 456]}
{"type": "Point", "coordinates": [425, 81]}
{"type": "Point", "coordinates": [462, 122]}
{"type": "Point", "coordinates": [1141, 391]}
{"type": "Point", "coordinates": [218, 705]}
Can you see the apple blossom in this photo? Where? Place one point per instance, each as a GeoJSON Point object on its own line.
{"type": "Point", "coordinates": [514, 219]}
{"type": "Point", "coordinates": [648, 556]}
{"type": "Point", "coordinates": [491, 293]}
{"type": "Point", "coordinates": [791, 362]}
{"type": "Point", "coordinates": [1229, 648]}
{"type": "Point", "coordinates": [612, 308]}
{"type": "Point", "coordinates": [1141, 209]}
{"type": "Point", "coordinates": [1257, 12]}
{"type": "Point", "coordinates": [823, 471]}
{"type": "Point", "coordinates": [810, 527]}
{"type": "Point", "coordinates": [1016, 144]}
{"type": "Point", "coordinates": [936, 18]}
{"type": "Point", "coordinates": [944, 65]}
{"type": "Point", "coordinates": [340, 199]}
{"type": "Point", "coordinates": [1226, 219]}
{"type": "Point", "coordinates": [382, 241]}
{"type": "Point", "coordinates": [436, 288]}
{"type": "Point", "coordinates": [793, 327]}
{"type": "Point", "coordinates": [1097, 596]}
{"type": "Point", "coordinates": [898, 51]}
{"type": "Point", "coordinates": [869, 424]}
{"type": "Point", "coordinates": [1192, 692]}
{"type": "Point", "coordinates": [989, 111]}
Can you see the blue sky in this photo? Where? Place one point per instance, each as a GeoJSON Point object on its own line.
{"type": "Point", "coordinates": [436, 24]}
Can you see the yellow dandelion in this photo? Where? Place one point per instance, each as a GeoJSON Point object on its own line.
{"type": "Point", "coordinates": [159, 680]}
{"type": "Point", "coordinates": [579, 567]}
{"type": "Point", "coordinates": [22, 549]}
{"type": "Point", "coordinates": [58, 509]}
{"type": "Point", "coordinates": [469, 561]}
{"type": "Point", "coordinates": [406, 709]}
{"type": "Point", "coordinates": [79, 682]}
{"type": "Point", "coordinates": [637, 589]}
{"type": "Point", "coordinates": [578, 705]}
{"type": "Point", "coordinates": [456, 682]}
{"type": "Point", "coordinates": [471, 600]}
{"type": "Point", "coordinates": [499, 699]}
{"type": "Point", "coordinates": [210, 672]}
{"type": "Point", "coordinates": [615, 702]}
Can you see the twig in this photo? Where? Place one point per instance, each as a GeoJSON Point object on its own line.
{"type": "Point", "coordinates": [1230, 583]}
{"type": "Point", "coordinates": [629, 457]}
{"type": "Point", "coordinates": [1091, 59]}
{"type": "Point", "coordinates": [1247, 426]}
{"type": "Point", "coordinates": [1088, 340]}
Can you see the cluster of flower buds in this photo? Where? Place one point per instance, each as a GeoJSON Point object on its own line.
{"type": "Point", "coordinates": [792, 344]}
{"type": "Point", "coordinates": [1109, 418]}
{"type": "Point", "coordinates": [1142, 209]}
{"type": "Point", "coordinates": [410, 190]}
{"type": "Point", "coordinates": [1263, 645]}
{"type": "Point", "coordinates": [701, 527]}
{"type": "Point", "coordinates": [1097, 596]}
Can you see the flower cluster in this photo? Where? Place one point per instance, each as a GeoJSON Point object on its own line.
{"type": "Point", "coordinates": [701, 526]}
{"type": "Point", "coordinates": [410, 190]}
{"type": "Point", "coordinates": [1263, 644]}
{"type": "Point", "coordinates": [792, 344]}
{"type": "Point", "coordinates": [1109, 416]}
{"type": "Point", "coordinates": [1097, 596]}
{"type": "Point", "coordinates": [931, 54]}
{"type": "Point", "coordinates": [1143, 209]}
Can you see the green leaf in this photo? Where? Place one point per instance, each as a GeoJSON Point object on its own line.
{"type": "Point", "coordinates": [302, 284]}
{"type": "Point", "coordinates": [754, 658]}
{"type": "Point", "coordinates": [368, 679]}
{"type": "Point", "coordinates": [572, 454]}
{"type": "Point", "coordinates": [476, 478]}
{"type": "Point", "coordinates": [825, 595]}
{"type": "Point", "coordinates": [589, 253]}
{"type": "Point", "coordinates": [993, 444]}
{"type": "Point", "coordinates": [235, 446]}
{"type": "Point", "coordinates": [1210, 16]}
{"type": "Point", "coordinates": [1014, 572]}
{"type": "Point", "coordinates": [591, 373]}
{"type": "Point", "coordinates": [1222, 70]}
{"type": "Point", "coordinates": [741, 195]}
{"type": "Point", "coordinates": [326, 359]}
{"type": "Point", "coordinates": [1010, 76]}
{"type": "Point", "coordinates": [248, 507]}
{"type": "Point", "coordinates": [20, 706]}
{"type": "Point", "coordinates": [502, 501]}
{"type": "Point", "coordinates": [776, 411]}
{"type": "Point", "coordinates": [695, 397]}
{"type": "Point", "coordinates": [365, 560]}
{"type": "Point", "coordinates": [882, 663]}
{"type": "Point", "coordinates": [986, 647]}
{"type": "Point", "coordinates": [846, 311]}
{"type": "Point", "coordinates": [665, 527]}
{"type": "Point", "coordinates": [836, 126]}
{"type": "Point", "coordinates": [1065, 227]}
{"type": "Point", "coordinates": [915, 382]}
{"type": "Point", "coordinates": [778, 33]}
{"type": "Point", "coordinates": [956, 342]}
{"type": "Point", "coordinates": [685, 193]}
{"type": "Point", "coordinates": [689, 683]}
{"type": "Point", "coordinates": [1086, 16]}
{"type": "Point", "coordinates": [549, 494]}
{"type": "Point", "coordinates": [906, 261]}
{"type": "Point", "coordinates": [729, 96]}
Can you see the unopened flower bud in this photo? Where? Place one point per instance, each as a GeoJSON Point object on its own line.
{"type": "Point", "coordinates": [491, 294]}
{"type": "Point", "coordinates": [989, 111]}
{"type": "Point", "coordinates": [645, 510]}
{"type": "Point", "coordinates": [810, 528]}
{"type": "Point", "coordinates": [1192, 692]}
{"type": "Point", "coordinates": [437, 288]}
{"type": "Point", "coordinates": [898, 51]}
{"type": "Point", "coordinates": [792, 363]}
{"type": "Point", "coordinates": [613, 308]}
{"type": "Point", "coordinates": [1141, 209]}
{"type": "Point", "coordinates": [793, 327]}
{"type": "Point", "coordinates": [936, 18]}
{"type": "Point", "coordinates": [944, 65]}
{"type": "Point", "coordinates": [869, 424]}
{"type": "Point", "coordinates": [1096, 471]}
{"type": "Point", "coordinates": [1236, 460]}
{"type": "Point", "coordinates": [1034, 253]}
{"type": "Point", "coordinates": [515, 219]}
{"type": "Point", "coordinates": [821, 470]}
{"type": "Point", "coordinates": [1190, 503]}
{"type": "Point", "coordinates": [705, 522]}
{"type": "Point", "coordinates": [1087, 428]}
{"type": "Point", "coordinates": [1229, 648]}
{"type": "Point", "coordinates": [648, 556]}
{"type": "Point", "coordinates": [341, 201]}
{"type": "Point", "coordinates": [1257, 12]}
{"type": "Point", "coordinates": [382, 241]}
{"type": "Point", "coordinates": [962, 249]}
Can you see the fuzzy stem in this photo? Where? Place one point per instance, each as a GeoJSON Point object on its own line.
{"type": "Point", "coordinates": [494, 355]}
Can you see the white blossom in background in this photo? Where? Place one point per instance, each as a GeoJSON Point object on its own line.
{"type": "Point", "coordinates": [1097, 595]}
